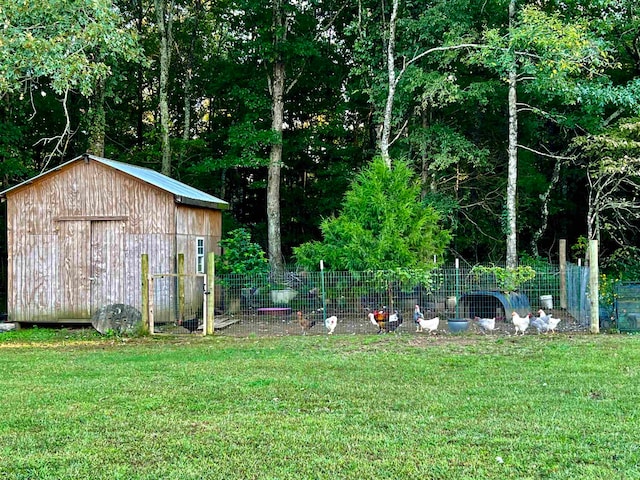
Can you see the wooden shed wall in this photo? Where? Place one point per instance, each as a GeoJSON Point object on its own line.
{"type": "Point", "coordinates": [75, 238]}
{"type": "Point", "coordinates": [193, 223]}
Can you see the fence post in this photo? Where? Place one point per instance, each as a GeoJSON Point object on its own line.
{"type": "Point", "coordinates": [144, 267]}
{"type": "Point", "coordinates": [180, 280]}
{"type": "Point", "coordinates": [594, 286]}
{"type": "Point", "coordinates": [211, 288]}
{"type": "Point", "coordinates": [563, 273]}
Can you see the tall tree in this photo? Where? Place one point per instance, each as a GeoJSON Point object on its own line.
{"type": "Point", "coordinates": [284, 41]}
{"type": "Point", "coordinates": [164, 18]}
{"type": "Point", "coordinates": [383, 225]}
{"type": "Point", "coordinates": [512, 170]}
{"type": "Point", "coordinates": [550, 54]}
{"type": "Point", "coordinates": [277, 90]}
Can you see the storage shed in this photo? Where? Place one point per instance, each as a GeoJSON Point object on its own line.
{"type": "Point", "coordinates": [76, 233]}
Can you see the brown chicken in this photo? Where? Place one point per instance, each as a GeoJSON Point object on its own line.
{"type": "Point", "coordinates": [305, 323]}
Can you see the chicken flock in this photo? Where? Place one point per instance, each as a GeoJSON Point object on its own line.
{"type": "Point", "coordinates": [387, 321]}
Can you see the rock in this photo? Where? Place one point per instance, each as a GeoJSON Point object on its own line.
{"type": "Point", "coordinates": [118, 318]}
{"type": "Point", "coordinates": [6, 327]}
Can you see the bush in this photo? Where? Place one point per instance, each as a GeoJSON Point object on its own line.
{"type": "Point", "coordinates": [241, 256]}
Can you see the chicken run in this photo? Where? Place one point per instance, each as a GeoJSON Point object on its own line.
{"type": "Point", "coordinates": [298, 308]}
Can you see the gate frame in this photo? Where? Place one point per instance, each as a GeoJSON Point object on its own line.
{"type": "Point", "coordinates": [151, 293]}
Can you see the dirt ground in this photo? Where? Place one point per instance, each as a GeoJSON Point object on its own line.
{"type": "Point", "coordinates": [280, 325]}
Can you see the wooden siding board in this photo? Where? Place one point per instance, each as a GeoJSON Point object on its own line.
{"type": "Point", "coordinates": [198, 221]}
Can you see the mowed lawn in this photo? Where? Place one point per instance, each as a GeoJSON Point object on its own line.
{"type": "Point", "coordinates": [78, 406]}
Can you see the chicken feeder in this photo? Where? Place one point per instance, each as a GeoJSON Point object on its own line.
{"type": "Point", "coordinates": [457, 325]}
{"type": "Point", "coordinates": [546, 302]}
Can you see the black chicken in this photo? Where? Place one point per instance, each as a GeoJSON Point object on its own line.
{"type": "Point", "coordinates": [192, 324]}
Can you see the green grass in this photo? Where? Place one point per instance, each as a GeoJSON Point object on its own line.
{"type": "Point", "coordinates": [79, 406]}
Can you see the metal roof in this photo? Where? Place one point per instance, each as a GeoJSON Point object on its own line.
{"type": "Point", "coordinates": [182, 192]}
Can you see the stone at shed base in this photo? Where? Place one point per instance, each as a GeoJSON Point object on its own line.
{"type": "Point", "coordinates": [117, 318]}
{"type": "Point", "coordinates": [7, 327]}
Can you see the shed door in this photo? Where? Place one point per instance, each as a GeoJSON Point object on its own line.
{"type": "Point", "coordinates": [74, 269]}
{"type": "Point", "coordinates": [107, 264]}
{"type": "Point", "coordinates": [91, 266]}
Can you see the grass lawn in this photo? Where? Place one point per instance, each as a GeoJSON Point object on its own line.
{"type": "Point", "coordinates": [73, 405]}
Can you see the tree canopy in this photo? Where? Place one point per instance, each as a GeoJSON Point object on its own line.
{"type": "Point", "coordinates": [237, 97]}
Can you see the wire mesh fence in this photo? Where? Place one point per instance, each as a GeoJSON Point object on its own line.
{"type": "Point", "coordinates": [177, 303]}
{"type": "Point", "coordinates": [299, 302]}
{"type": "Point", "coordinates": [627, 306]}
{"type": "Point", "coordinates": [578, 304]}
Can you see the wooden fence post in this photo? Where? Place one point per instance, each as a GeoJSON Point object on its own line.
{"type": "Point", "coordinates": [563, 274]}
{"type": "Point", "coordinates": [594, 286]}
{"type": "Point", "coordinates": [144, 268]}
{"type": "Point", "coordinates": [180, 280]}
{"type": "Point", "coordinates": [211, 288]}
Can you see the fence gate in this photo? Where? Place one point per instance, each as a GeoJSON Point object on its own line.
{"type": "Point", "coordinates": [178, 303]}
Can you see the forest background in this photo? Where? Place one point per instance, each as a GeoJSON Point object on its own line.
{"type": "Point", "coordinates": [519, 119]}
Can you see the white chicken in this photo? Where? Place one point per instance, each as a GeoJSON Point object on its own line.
{"type": "Point", "coordinates": [430, 325]}
{"type": "Point", "coordinates": [486, 324]}
{"type": "Point", "coordinates": [330, 323]}
{"type": "Point", "coordinates": [521, 323]}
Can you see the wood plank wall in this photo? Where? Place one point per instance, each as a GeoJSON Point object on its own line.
{"type": "Point", "coordinates": [86, 221]}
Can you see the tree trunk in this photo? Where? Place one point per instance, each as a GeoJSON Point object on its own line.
{"type": "Point", "coordinates": [186, 130]}
{"type": "Point", "coordinates": [97, 121]}
{"type": "Point", "coordinates": [140, 79]}
{"type": "Point", "coordinates": [512, 176]}
{"type": "Point", "coordinates": [545, 208]}
{"type": "Point", "coordinates": [164, 14]}
{"type": "Point", "coordinates": [391, 92]}
{"type": "Point", "coordinates": [276, 261]}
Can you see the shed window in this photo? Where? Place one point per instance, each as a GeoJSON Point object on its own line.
{"type": "Point", "coordinates": [199, 255]}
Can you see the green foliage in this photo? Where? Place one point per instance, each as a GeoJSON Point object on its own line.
{"type": "Point", "coordinates": [383, 225]}
{"type": "Point", "coordinates": [446, 148]}
{"type": "Point", "coordinates": [68, 43]}
{"type": "Point", "coordinates": [623, 263]}
{"type": "Point", "coordinates": [548, 48]}
{"type": "Point", "coordinates": [507, 279]}
{"type": "Point", "coordinates": [240, 255]}
{"type": "Point", "coordinates": [580, 248]}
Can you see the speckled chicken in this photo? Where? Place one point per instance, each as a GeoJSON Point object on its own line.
{"type": "Point", "coordinates": [545, 323]}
